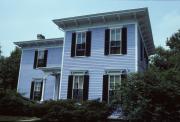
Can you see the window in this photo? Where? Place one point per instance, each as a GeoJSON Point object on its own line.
{"type": "Point", "coordinates": [78, 82]}
{"type": "Point", "coordinates": [81, 44]}
{"type": "Point", "coordinates": [40, 58]}
{"type": "Point", "coordinates": [115, 41]}
{"type": "Point", "coordinates": [114, 87]}
{"type": "Point", "coordinates": [36, 90]}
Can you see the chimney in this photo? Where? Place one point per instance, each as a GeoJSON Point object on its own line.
{"type": "Point", "coordinates": [40, 36]}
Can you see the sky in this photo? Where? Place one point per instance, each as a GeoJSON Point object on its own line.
{"type": "Point", "coordinates": [22, 20]}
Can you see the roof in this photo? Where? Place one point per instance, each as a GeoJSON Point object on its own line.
{"type": "Point", "coordinates": [140, 15]}
{"type": "Point", "coordinates": [40, 42]}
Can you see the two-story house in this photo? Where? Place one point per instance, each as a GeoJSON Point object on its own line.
{"type": "Point", "coordinates": [92, 59]}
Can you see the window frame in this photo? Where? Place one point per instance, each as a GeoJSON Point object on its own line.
{"type": "Point", "coordinates": [37, 60]}
{"type": "Point", "coordinates": [39, 81]}
{"type": "Point", "coordinates": [77, 32]}
{"type": "Point", "coordinates": [79, 75]}
{"type": "Point", "coordinates": [115, 28]}
{"type": "Point", "coordinates": [114, 75]}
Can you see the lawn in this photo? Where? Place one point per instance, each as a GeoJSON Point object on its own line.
{"type": "Point", "coordinates": [18, 119]}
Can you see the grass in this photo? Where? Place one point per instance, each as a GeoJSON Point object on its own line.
{"type": "Point", "coordinates": [18, 119]}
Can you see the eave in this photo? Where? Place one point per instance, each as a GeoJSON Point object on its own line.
{"type": "Point", "coordinates": [140, 15]}
{"type": "Point", "coordinates": [39, 43]}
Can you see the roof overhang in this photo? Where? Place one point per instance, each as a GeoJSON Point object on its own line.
{"type": "Point", "coordinates": [140, 15]}
{"type": "Point", "coordinates": [39, 43]}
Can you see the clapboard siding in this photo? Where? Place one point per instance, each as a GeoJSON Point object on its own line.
{"type": "Point", "coordinates": [97, 63]}
{"type": "Point", "coordinates": [27, 73]}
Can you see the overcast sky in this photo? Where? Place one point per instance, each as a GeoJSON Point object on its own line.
{"type": "Point", "coordinates": [21, 20]}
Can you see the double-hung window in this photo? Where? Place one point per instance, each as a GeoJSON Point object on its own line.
{"type": "Point", "coordinates": [114, 87]}
{"type": "Point", "coordinates": [78, 82]}
{"type": "Point", "coordinates": [115, 41]}
{"type": "Point", "coordinates": [40, 58]}
{"type": "Point", "coordinates": [81, 44]}
{"type": "Point", "coordinates": [36, 90]}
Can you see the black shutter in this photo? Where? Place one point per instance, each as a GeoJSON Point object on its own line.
{"type": "Point", "coordinates": [73, 44]}
{"type": "Point", "coordinates": [35, 59]}
{"type": "Point", "coordinates": [86, 87]}
{"type": "Point", "coordinates": [106, 43]}
{"type": "Point", "coordinates": [105, 88]}
{"type": "Point", "coordinates": [32, 90]}
{"type": "Point", "coordinates": [41, 90]}
{"type": "Point", "coordinates": [124, 40]}
{"type": "Point", "coordinates": [88, 43]}
{"type": "Point", "coordinates": [70, 85]}
{"type": "Point", "coordinates": [123, 77]}
{"type": "Point", "coordinates": [45, 57]}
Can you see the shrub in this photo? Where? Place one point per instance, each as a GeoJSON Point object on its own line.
{"type": "Point", "coordinates": [12, 103]}
{"type": "Point", "coordinates": [65, 111]}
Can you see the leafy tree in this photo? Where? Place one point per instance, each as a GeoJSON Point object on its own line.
{"type": "Point", "coordinates": [9, 69]}
{"type": "Point", "coordinates": [155, 94]}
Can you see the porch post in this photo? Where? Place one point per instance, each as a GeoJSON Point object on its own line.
{"type": "Point", "coordinates": [43, 88]}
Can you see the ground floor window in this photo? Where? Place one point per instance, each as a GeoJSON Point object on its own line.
{"type": "Point", "coordinates": [78, 82]}
{"type": "Point", "coordinates": [114, 87]}
{"type": "Point", "coordinates": [36, 90]}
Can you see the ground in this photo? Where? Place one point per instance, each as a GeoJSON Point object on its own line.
{"type": "Point", "coordinates": [17, 119]}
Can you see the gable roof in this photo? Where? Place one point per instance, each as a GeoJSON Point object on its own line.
{"type": "Point", "coordinates": [140, 15]}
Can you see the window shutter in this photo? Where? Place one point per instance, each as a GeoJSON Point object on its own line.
{"type": "Point", "coordinates": [32, 90]}
{"type": "Point", "coordinates": [41, 90]}
{"type": "Point", "coordinates": [123, 77]}
{"type": "Point", "coordinates": [105, 88]}
{"type": "Point", "coordinates": [86, 87]}
{"type": "Point", "coordinates": [45, 57]}
{"type": "Point", "coordinates": [73, 44]}
{"type": "Point", "coordinates": [124, 40]}
{"type": "Point", "coordinates": [70, 85]}
{"type": "Point", "coordinates": [35, 59]}
{"type": "Point", "coordinates": [88, 43]}
{"type": "Point", "coordinates": [106, 43]}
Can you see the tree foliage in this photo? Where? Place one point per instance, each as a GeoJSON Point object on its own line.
{"type": "Point", "coordinates": [9, 69]}
{"type": "Point", "coordinates": [155, 94]}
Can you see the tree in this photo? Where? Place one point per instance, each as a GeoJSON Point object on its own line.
{"type": "Point", "coordinates": [9, 69]}
{"type": "Point", "coordinates": [155, 94]}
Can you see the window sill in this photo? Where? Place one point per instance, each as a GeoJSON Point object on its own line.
{"type": "Point", "coordinates": [79, 56]}
{"type": "Point", "coordinates": [116, 54]}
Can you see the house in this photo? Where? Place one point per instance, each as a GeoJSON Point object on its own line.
{"type": "Point", "coordinates": [95, 55]}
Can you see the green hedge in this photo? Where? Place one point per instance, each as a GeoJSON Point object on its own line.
{"type": "Point", "coordinates": [14, 104]}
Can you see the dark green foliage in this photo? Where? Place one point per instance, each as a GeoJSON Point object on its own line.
{"type": "Point", "coordinates": [12, 103]}
{"type": "Point", "coordinates": [70, 111]}
{"type": "Point", "coordinates": [155, 94]}
{"type": "Point", "coordinates": [9, 69]}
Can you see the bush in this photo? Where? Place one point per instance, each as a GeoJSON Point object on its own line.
{"type": "Point", "coordinates": [12, 103]}
{"type": "Point", "coordinates": [65, 111]}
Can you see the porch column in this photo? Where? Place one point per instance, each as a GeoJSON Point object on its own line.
{"type": "Point", "coordinates": [43, 88]}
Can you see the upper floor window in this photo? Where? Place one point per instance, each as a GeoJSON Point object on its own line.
{"type": "Point", "coordinates": [115, 41]}
{"type": "Point", "coordinates": [40, 58]}
{"type": "Point", "coordinates": [81, 44]}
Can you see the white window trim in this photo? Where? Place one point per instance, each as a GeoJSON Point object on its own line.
{"type": "Point", "coordinates": [35, 82]}
{"type": "Point", "coordinates": [78, 83]}
{"type": "Point", "coordinates": [109, 75]}
{"type": "Point", "coordinates": [115, 37]}
{"type": "Point", "coordinates": [37, 57]}
{"type": "Point", "coordinates": [81, 41]}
